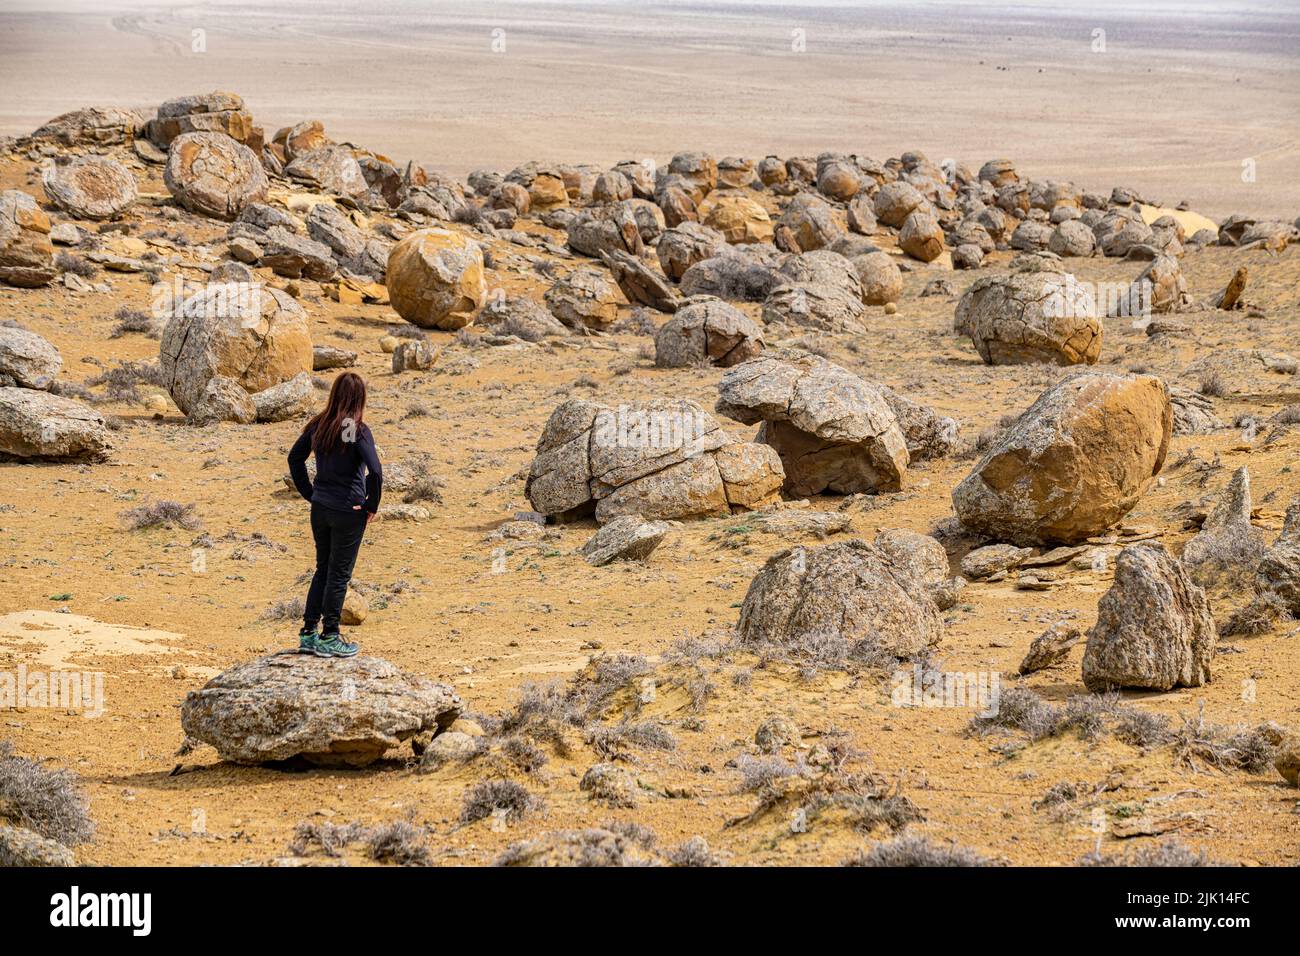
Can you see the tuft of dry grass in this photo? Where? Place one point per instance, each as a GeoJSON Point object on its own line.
{"type": "Point", "coordinates": [913, 849]}
{"type": "Point", "coordinates": [161, 514]}
{"type": "Point", "coordinates": [47, 802]}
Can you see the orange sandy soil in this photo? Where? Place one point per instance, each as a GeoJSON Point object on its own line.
{"type": "Point", "coordinates": [545, 616]}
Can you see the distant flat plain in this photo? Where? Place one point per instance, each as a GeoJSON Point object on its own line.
{"type": "Point", "coordinates": [1172, 99]}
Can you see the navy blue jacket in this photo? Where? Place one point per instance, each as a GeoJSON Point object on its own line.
{"type": "Point", "coordinates": [345, 479]}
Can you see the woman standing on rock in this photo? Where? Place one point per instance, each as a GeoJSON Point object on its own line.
{"type": "Point", "coordinates": [344, 499]}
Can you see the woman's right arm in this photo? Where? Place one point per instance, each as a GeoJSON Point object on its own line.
{"type": "Point", "coordinates": [298, 464]}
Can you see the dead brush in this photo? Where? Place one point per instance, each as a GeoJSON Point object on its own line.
{"type": "Point", "coordinates": [122, 382]}
{"type": "Point", "coordinates": [48, 802]}
{"type": "Point", "coordinates": [1172, 852]}
{"type": "Point", "coordinates": [612, 742]}
{"type": "Point", "coordinates": [400, 842]}
{"type": "Point", "coordinates": [1198, 744]}
{"type": "Point", "coordinates": [331, 838]}
{"type": "Point", "coordinates": [912, 849]}
{"type": "Point", "coordinates": [490, 797]}
{"type": "Point", "coordinates": [161, 514]}
{"type": "Point", "coordinates": [1264, 612]}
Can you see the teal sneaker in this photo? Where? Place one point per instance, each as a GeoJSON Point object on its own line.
{"type": "Point", "coordinates": [308, 641]}
{"type": "Point", "coordinates": [332, 645]}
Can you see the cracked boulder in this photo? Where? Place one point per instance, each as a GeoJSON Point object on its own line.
{"type": "Point", "coordinates": [211, 174]}
{"type": "Point", "coordinates": [1031, 317]}
{"type": "Point", "coordinates": [663, 459]}
{"type": "Point", "coordinates": [257, 339]}
{"type": "Point", "coordinates": [844, 601]}
{"type": "Point", "coordinates": [626, 538]}
{"type": "Point", "coordinates": [435, 279]}
{"type": "Point", "coordinates": [338, 712]}
{"type": "Point", "coordinates": [707, 331]}
{"type": "Point", "coordinates": [331, 169]}
{"type": "Point", "coordinates": [832, 430]}
{"type": "Point", "coordinates": [36, 424]}
{"type": "Point", "coordinates": [584, 299]}
{"type": "Point", "coordinates": [1279, 568]}
{"type": "Point", "coordinates": [90, 187]}
{"type": "Point", "coordinates": [1154, 629]}
{"type": "Point", "coordinates": [1073, 464]}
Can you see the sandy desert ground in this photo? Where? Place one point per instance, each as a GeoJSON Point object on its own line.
{"type": "Point", "coordinates": [1183, 94]}
{"type": "Point", "coordinates": [1171, 115]}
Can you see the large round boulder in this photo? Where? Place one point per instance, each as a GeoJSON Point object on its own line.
{"type": "Point", "coordinates": [1030, 317]}
{"type": "Point", "coordinates": [435, 279]}
{"type": "Point", "coordinates": [844, 601]}
{"type": "Point", "coordinates": [26, 359]}
{"type": "Point", "coordinates": [212, 175]}
{"type": "Point", "coordinates": [880, 277]}
{"type": "Point", "coordinates": [707, 331]}
{"type": "Point", "coordinates": [921, 236]}
{"type": "Point", "coordinates": [811, 221]}
{"type": "Point", "coordinates": [1073, 464]}
{"type": "Point", "coordinates": [685, 244]}
{"type": "Point", "coordinates": [90, 187]}
{"type": "Point", "coordinates": [739, 218]}
{"type": "Point", "coordinates": [255, 337]}
{"type": "Point", "coordinates": [895, 201]}
{"type": "Point", "coordinates": [584, 299]}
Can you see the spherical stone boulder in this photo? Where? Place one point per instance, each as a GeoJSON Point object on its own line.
{"type": "Point", "coordinates": [212, 175]}
{"type": "Point", "coordinates": [847, 598]}
{"type": "Point", "coordinates": [812, 222]}
{"type": "Point", "coordinates": [511, 196]}
{"type": "Point", "coordinates": [1031, 236]}
{"type": "Point", "coordinates": [1026, 318]}
{"type": "Point", "coordinates": [999, 173]}
{"type": "Point", "coordinates": [1072, 238]}
{"type": "Point", "coordinates": [641, 175]}
{"type": "Point", "coordinates": [611, 186]}
{"type": "Point", "coordinates": [1073, 464]}
{"type": "Point", "coordinates": [815, 305]}
{"type": "Point", "coordinates": [257, 340]}
{"type": "Point", "coordinates": [707, 331]}
{"type": "Point", "coordinates": [838, 180]}
{"type": "Point", "coordinates": [1159, 290]}
{"type": "Point", "coordinates": [435, 279]}
{"type": "Point", "coordinates": [1154, 628]}
{"type": "Point", "coordinates": [685, 244]}
{"type": "Point", "coordinates": [91, 187]}
{"type": "Point", "coordinates": [921, 236]}
{"type": "Point", "coordinates": [700, 169]}
{"type": "Point", "coordinates": [895, 201]}
{"type": "Point", "coordinates": [26, 254]}
{"type": "Point", "coordinates": [739, 218]}
{"type": "Point", "coordinates": [545, 185]}
{"type": "Point", "coordinates": [735, 172]}
{"type": "Point", "coordinates": [772, 171]}
{"type": "Point", "coordinates": [880, 277]}
{"type": "Point", "coordinates": [967, 256]}
{"type": "Point", "coordinates": [338, 712]}
{"type": "Point", "coordinates": [832, 430]}
{"type": "Point", "coordinates": [584, 299]}
{"type": "Point", "coordinates": [26, 359]}
{"type": "Point", "coordinates": [736, 276]}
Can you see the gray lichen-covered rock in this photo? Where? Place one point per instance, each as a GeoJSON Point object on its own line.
{"type": "Point", "coordinates": [842, 600]}
{"type": "Point", "coordinates": [36, 424]}
{"type": "Point", "coordinates": [324, 357]}
{"type": "Point", "coordinates": [1051, 647]}
{"type": "Point", "coordinates": [212, 175]}
{"type": "Point", "coordinates": [413, 355]}
{"type": "Point", "coordinates": [223, 400]}
{"type": "Point", "coordinates": [811, 221]}
{"type": "Point", "coordinates": [929, 435]}
{"type": "Point", "coordinates": [1073, 464]}
{"type": "Point", "coordinates": [1159, 290]}
{"type": "Point", "coordinates": [661, 459]}
{"type": "Point", "coordinates": [1279, 568]}
{"type": "Point", "coordinates": [814, 305]}
{"type": "Point", "coordinates": [685, 244]}
{"type": "Point", "coordinates": [92, 126]}
{"type": "Point", "coordinates": [584, 299]}
{"type": "Point", "coordinates": [1227, 547]}
{"type": "Point", "coordinates": [338, 711]}
{"type": "Point", "coordinates": [21, 847]}
{"type": "Point", "coordinates": [990, 559]}
{"type": "Point", "coordinates": [1031, 317]}
{"type": "Point", "coordinates": [520, 316]}
{"type": "Point", "coordinates": [26, 359]}
{"type": "Point", "coordinates": [284, 401]}
{"type": "Point", "coordinates": [1154, 629]}
{"type": "Point", "coordinates": [90, 187]}
{"type": "Point", "coordinates": [833, 431]}
{"type": "Point", "coordinates": [707, 331]}
{"type": "Point", "coordinates": [26, 254]}
{"type": "Point", "coordinates": [332, 169]}
{"type": "Point", "coordinates": [293, 256]}
{"type": "Point", "coordinates": [924, 559]}
{"type": "Point", "coordinates": [879, 276]}
{"type": "Point", "coordinates": [625, 538]}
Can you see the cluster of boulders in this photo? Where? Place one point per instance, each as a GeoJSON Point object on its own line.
{"type": "Point", "coordinates": [662, 459]}
{"type": "Point", "coordinates": [35, 422]}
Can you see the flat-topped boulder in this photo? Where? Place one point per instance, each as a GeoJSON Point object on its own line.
{"type": "Point", "coordinates": [328, 711]}
{"type": "Point", "coordinates": [36, 424]}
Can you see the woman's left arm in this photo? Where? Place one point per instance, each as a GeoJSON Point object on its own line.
{"type": "Point", "coordinates": [374, 471]}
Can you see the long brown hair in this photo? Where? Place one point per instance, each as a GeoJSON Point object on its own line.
{"type": "Point", "coordinates": [344, 408]}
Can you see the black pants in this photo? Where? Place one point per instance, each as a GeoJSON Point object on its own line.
{"type": "Point", "coordinates": [338, 539]}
